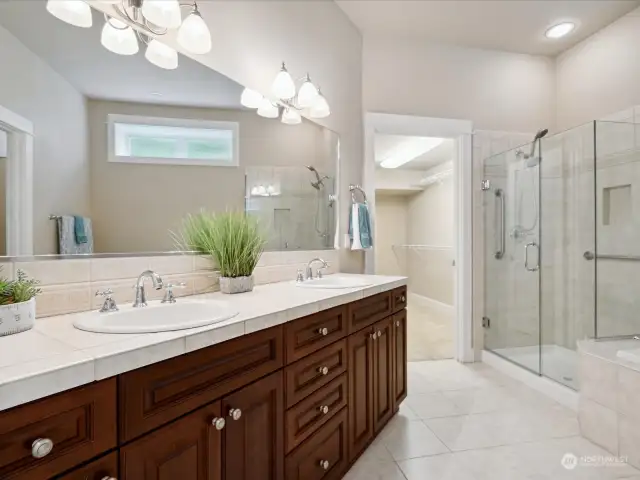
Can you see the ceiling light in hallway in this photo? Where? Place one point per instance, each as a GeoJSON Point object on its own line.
{"type": "Point", "coordinates": [560, 30]}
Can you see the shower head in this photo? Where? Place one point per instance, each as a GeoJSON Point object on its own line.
{"type": "Point", "coordinates": [531, 160]}
{"type": "Point", "coordinates": [319, 180]}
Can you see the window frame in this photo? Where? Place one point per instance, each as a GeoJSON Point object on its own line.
{"type": "Point", "coordinates": [113, 119]}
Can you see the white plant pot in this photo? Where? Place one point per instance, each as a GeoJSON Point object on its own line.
{"type": "Point", "coordinates": [236, 285]}
{"type": "Point", "coordinates": [17, 317]}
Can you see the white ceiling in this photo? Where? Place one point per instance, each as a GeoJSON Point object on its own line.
{"type": "Point", "coordinates": [386, 144]}
{"type": "Point", "coordinates": [76, 54]}
{"type": "Point", "coordinates": [509, 25]}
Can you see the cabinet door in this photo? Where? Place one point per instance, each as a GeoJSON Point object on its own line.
{"type": "Point", "coordinates": [104, 468]}
{"type": "Point", "coordinates": [188, 449]}
{"type": "Point", "coordinates": [253, 447]}
{"type": "Point", "coordinates": [400, 357]}
{"type": "Point", "coordinates": [360, 351]}
{"type": "Point", "coordinates": [383, 373]}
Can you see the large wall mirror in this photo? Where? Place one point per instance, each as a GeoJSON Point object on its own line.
{"type": "Point", "coordinates": [130, 149]}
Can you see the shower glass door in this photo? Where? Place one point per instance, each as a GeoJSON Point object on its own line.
{"type": "Point", "coordinates": [511, 193]}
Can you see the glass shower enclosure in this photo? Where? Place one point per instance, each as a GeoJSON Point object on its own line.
{"type": "Point", "coordinates": [562, 246]}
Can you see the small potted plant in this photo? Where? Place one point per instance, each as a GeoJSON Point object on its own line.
{"type": "Point", "coordinates": [233, 240]}
{"type": "Point", "coordinates": [17, 304]}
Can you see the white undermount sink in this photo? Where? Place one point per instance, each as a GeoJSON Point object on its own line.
{"type": "Point", "coordinates": [157, 317]}
{"type": "Point", "coordinates": [334, 282]}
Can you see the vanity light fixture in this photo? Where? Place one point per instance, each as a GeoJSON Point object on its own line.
{"type": "Point", "coordinates": [152, 19]}
{"type": "Point", "coordinates": [560, 30]}
{"type": "Point", "coordinates": [292, 103]}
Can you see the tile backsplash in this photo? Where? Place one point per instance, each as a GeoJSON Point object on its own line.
{"type": "Point", "coordinates": [69, 286]}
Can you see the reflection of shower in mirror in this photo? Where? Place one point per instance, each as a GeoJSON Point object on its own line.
{"type": "Point", "coordinates": [322, 230]}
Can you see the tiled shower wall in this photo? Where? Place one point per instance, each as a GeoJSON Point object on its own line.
{"type": "Point", "coordinates": [492, 284]}
{"type": "Point", "coordinates": [69, 286]}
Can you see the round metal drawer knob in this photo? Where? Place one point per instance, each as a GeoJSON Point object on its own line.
{"type": "Point", "coordinates": [403, 299]}
{"type": "Point", "coordinates": [324, 464]}
{"type": "Point", "coordinates": [379, 333]}
{"type": "Point", "coordinates": [219, 423]}
{"type": "Point", "coordinates": [397, 323]}
{"type": "Point", "coordinates": [373, 336]}
{"type": "Point", "coordinates": [324, 370]}
{"type": "Point", "coordinates": [109, 478]}
{"type": "Point", "coordinates": [235, 413]}
{"type": "Point", "coordinates": [324, 331]}
{"type": "Point", "coordinates": [41, 447]}
{"type": "Point", "coordinates": [324, 409]}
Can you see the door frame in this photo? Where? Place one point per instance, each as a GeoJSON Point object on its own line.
{"type": "Point", "coordinates": [461, 131]}
{"type": "Point", "coordinates": [19, 182]}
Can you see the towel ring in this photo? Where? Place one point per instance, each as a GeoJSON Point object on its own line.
{"type": "Point", "coordinates": [353, 189]}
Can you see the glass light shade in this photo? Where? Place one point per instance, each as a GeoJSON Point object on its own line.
{"type": "Point", "coordinates": [268, 109]}
{"type": "Point", "coordinates": [194, 35]}
{"type": "Point", "coordinates": [163, 13]}
{"type": "Point", "coordinates": [320, 108]}
{"type": "Point", "coordinates": [162, 55]}
{"type": "Point", "coordinates": [283, 86]}
{"type": "Point", "coordinates": [74, 12]}
{"type": "Point", "coordinates": [250, 98]}
{"type": "Point", "coordinates": [307, 95]}
{"type": "Point", "coordinates": [291, 117]}
{"type": "Point", "coordinates": [121, 40]}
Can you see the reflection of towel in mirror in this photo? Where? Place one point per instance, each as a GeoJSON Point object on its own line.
{"type": "Point", "coordinates": [67, 244]}
{"type": "Point", "coordinates": [78, 229]}
{"type": "Point", "coordinates": [360, 227]}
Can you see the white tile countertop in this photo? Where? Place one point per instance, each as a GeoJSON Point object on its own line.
{"type": "Point", "coordinates": [54, 356]}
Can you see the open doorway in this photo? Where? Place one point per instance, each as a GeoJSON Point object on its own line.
{"type": "Point", "coordinates": [455, 256]}
{"type": "Point", "coordinates": [415, 234]}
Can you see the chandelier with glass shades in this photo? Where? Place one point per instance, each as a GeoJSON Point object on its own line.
{"type": "Point", "coordinates": [153, 18]}
{"type": "Point", "coordinates": [287, 98]}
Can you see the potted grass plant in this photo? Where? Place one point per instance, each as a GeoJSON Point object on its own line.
{"type": "Point", "coordinates": [17, 303]}
{"type": "Point", "coordinates": [233, 240]}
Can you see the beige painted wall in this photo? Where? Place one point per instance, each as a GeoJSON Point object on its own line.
{"type": "Point", "coordinates": [136, 206]}
{"type": "Point", "coordinates": [600, 75]}
{"type": "Point", "coordinates": [431, 222]}
{"type": "Point", "coordinates": [252, 38]}
{"type": "Point", "coordinates": [392, 212]}
{"type": "Point", "coordinates": [33, 90]}
{"type": "Point", "coordinates": [495, 90]}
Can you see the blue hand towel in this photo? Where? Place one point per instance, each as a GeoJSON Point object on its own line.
{"type": "Point", "coordinates": [360, 227]}
{"type": "Point", "coordinates": [79, 231]}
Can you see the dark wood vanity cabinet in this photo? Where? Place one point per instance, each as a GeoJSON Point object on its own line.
{"type": "Point", "coordinates": [297, 401]}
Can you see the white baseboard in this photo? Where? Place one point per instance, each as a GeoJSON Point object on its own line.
{"type": "Point", "coordinates": [430, 303]}
{"type": "Point", "coordinates": [561, 394]}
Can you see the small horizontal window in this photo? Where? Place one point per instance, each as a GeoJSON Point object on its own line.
{"type": "Point", "coordinates": [172, 141]}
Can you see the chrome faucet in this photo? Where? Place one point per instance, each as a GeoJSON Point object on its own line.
{"type": "Point", "coordinates": [309, 274]}
{"type": "Point", "coordinates": [141, 298]}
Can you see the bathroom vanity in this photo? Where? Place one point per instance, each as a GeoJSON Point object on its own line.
{"type": "Point", "coordinates": [298, 400]}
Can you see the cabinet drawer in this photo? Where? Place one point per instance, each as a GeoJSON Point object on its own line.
{"type": "Point", "coordinates": [315, 371]}
{"type": "Point", "coordinates": [399, 299]}
{"type": "Point", "coordinates": [80, 423]}
{"type": "Point", "coordinates": [324, 455]}
{"type": "Point", "coordinates": [154, 395]}
{"type": "Point", "coordinates": [310, 334]}
{"type": "Point", "coordinates": [369, 310]}
{"type": "Point", "coordinates": [104, 468]}
{"type": "Point", "coordinates": [302, 420]}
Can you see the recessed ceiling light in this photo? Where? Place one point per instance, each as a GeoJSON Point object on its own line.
{"type": "Point", "coordinates": [560, 30]}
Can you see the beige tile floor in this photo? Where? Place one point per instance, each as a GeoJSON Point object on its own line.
{"type": "Point", "coordinates": [470, 422]}
{"type": "Point", "coordinates": [429, 331]}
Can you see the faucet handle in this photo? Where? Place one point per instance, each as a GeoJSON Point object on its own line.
{"type": "Point", "coordinates": [169, 297]}
{"type": "Point", "coordinates": [107, 293]}
{"type": "Point", "coordinates": [319, 273]}
{"type": "Point", "coordinates": [109, 304]}
{"type": "Point", "coordinates": [299, 276]}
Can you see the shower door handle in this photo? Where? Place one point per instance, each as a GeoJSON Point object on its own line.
{"type": "Point", "coordinates": [500, 197]}
{"type": "Point", "coordinates": [526, 257]}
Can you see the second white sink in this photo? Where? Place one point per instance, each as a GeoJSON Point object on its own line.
{"type": "Point", "coordinates": [157, 317]}
{"type": "Point", "coordinates": [335, 282]}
